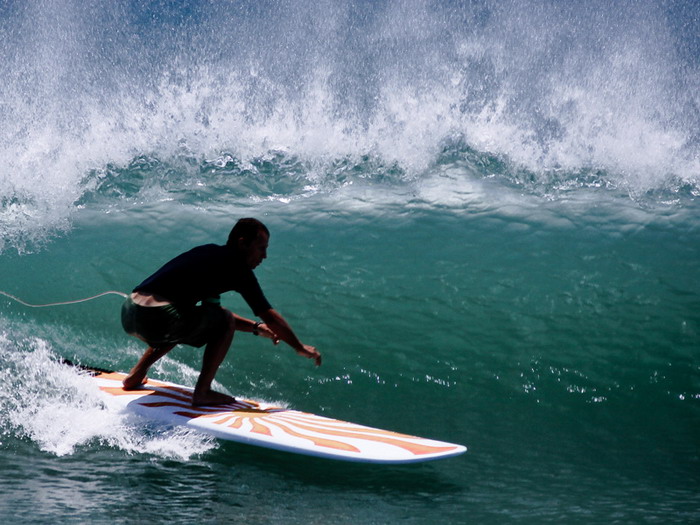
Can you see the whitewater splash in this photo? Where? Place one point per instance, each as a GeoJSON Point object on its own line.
{"type": "Point", "coordinates": [288, 99]}
{"type": "Point", "coordinates": [61, 410]}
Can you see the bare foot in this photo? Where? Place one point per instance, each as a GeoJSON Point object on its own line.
{"type": "Point", "coordinates": [211, 398]}
{"type": "Point", "coordinates": [133, 381]}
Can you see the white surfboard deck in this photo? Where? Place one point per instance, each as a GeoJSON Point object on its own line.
{"type": "Point", "coordinates": [266, 425]}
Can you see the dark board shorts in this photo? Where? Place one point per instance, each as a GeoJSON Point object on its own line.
{"type": "Point", "coordinates": [172, 324]}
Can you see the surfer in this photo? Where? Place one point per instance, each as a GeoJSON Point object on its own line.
{"type": "Point", "coordinates": [180, 304]}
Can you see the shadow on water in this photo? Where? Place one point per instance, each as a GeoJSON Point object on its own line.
{"type": "Point", "coordinates": [234, 483]}
{"type": "Point", "coordinates": [424, 479]}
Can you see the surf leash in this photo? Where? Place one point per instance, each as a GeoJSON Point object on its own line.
{"type": "Point", "coordinates": [20, 301]}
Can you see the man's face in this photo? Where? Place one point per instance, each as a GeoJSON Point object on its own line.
{"type": "Point", "coordinates": [256, 251]}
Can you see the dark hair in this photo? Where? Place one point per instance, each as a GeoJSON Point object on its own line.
{"type": "Point", "coordinates": [247, 229]}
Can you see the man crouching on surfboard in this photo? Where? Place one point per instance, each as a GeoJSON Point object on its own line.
{"type": "Point", "coordinates": [180, 304]}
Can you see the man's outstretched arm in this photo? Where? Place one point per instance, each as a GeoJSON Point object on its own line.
{"type": "Point", "coordinates": [281, 328]}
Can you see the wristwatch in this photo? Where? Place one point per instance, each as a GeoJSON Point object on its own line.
{"type": "Point", "coordinates": [255, 328]}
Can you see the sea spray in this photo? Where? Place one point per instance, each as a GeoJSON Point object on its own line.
{"type": "Point", "coordinates": [61, 410]}
{"type": "Point", "coordinates": [555, 89]}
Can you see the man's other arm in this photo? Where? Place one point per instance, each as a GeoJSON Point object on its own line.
{"type": "Point", "coordinates": [274, 320]}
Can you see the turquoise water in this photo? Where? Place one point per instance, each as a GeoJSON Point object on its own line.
{"type": "Point", "coordinates": [485, 216]}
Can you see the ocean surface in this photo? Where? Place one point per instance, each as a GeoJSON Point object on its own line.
{"type": "Point", "coordinates": [484, 214]}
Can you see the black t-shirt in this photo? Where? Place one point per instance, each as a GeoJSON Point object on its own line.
{"type": "Point", "coordinates": [206, 272]}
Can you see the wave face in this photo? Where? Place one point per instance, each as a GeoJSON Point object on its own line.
{"type": "Point", "coordinates": [542, 95]}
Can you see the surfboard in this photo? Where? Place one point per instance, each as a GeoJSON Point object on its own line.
{"type": "Point", "coordinates": [266, 425]}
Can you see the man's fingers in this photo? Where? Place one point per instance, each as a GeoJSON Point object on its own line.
{"type": "Point", "coordinates": [311, 353]}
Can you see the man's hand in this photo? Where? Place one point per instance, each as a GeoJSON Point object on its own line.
{"type": "Point", "coordinates": [283, 331]}
{"type": "Point", "coordinates": [265, 331]}
{"type": "Point", "coordinates": [310, 352]}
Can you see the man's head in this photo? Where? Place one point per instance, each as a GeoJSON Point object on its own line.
{"type": "Point", "coordinates": [250, 238]}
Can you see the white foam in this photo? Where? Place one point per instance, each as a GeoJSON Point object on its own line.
{"type": "Point", "coordinates": [62, 411]}
{"type": "Point", "coordinates": [547, 88]}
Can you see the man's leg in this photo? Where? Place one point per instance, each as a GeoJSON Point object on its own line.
{"type": "Point", "coordinates": [214, 354]}
{"type": "Point", "coordinates": [137, 376]}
